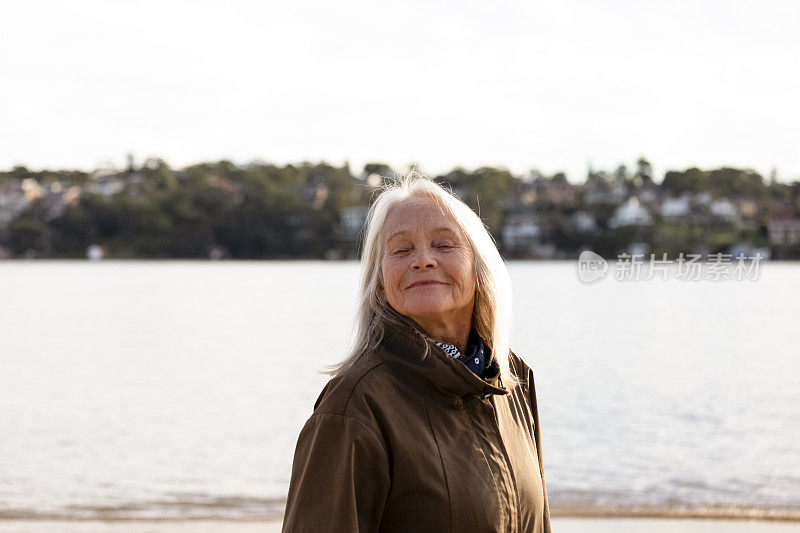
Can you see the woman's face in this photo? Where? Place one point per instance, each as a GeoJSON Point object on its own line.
{"type": "Point", "coordinates": [427, 263]}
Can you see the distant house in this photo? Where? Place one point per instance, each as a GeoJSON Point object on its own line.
{"type": "Point", "coordinates": [521, 197]}
{"type": "Point", "coordinates": [702, 198]}
{"type": "Point", "coordinates": [53, 203]}
{"type": "Point", "coordinates": [598, 193]}
{"type": "Point", "coordinates": [106, 184]}
{"type": "Point", "coordinates": [584, 222]}
{"type": "Point", "coordinates": [32, 189]}
{"type": "Point", "coordinates": [676, 208]}
{"type": "Point", "coordinates": [72, 195]}
{"type": "Point", "coordinates": [521, 232]}
{"type": "Point", "coordinates": [723, 210]}
{"type": "Point", "coordinates": [784, 231]}
{"type": "Point", "coordinates": [647, 195]}
{"type": "Point", "coordinates": [631, 213]}
{"type": "Point", "coordinates": [556, 190]}
{"type": "Point", "coordinates": [12, 201]}
{"type": "Point", "coordinates": [748, 208]}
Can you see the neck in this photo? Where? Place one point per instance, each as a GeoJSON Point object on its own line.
{"type": "Point", "coordinates": [454, 331]}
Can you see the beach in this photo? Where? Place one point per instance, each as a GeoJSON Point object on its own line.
{"type": "Point", "coordinates": [560, 525]}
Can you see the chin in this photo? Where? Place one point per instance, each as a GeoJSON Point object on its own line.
{"type": "Point", "coordinates": [426, 309]}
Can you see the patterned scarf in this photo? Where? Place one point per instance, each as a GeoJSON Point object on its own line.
{"type": "Point", "coordinates": [477, 352]}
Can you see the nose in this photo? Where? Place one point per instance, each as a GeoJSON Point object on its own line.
{"type": "Point", "coordinates": [423, 259]}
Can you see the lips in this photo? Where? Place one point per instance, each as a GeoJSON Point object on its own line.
{"type": "Point", "coordinates": [422, 283]}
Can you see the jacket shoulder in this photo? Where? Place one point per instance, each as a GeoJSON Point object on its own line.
{"type": "Point", "coordinates": [520, 369]}
{"type": "Point", "coordinates": [345, 393]}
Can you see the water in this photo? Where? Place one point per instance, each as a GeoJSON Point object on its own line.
{"type": "Point", "coordinates": [177, 389]}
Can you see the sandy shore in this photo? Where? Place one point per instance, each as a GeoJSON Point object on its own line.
{"type": "Point", "coordinates": [560, 525]}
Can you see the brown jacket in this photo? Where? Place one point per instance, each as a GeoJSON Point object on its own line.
{"type": "Point", "coordinates": [406, 443]}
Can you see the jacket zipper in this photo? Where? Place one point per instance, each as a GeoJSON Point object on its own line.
{"type": "Point", "coordinates": [507, 460]}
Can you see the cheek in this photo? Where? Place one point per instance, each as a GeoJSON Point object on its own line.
{"type": "Point", "coordinates": [468, 285]}
{"type": "Point", "coordinates": [390, 276]}
{"type": "Point", "coordinates": [466, 271]}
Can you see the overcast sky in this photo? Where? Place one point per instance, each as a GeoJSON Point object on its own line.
{"type": "Point", "coordinates": [549, 85]}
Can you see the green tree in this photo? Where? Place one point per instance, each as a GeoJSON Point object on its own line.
{"type": "Point", "coordinates": [26, 232]}
{"type": "Point", "coordinates": [692, 180]}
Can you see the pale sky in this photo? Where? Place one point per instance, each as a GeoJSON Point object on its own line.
{"type": "Point", "coordinates": [530, 84]}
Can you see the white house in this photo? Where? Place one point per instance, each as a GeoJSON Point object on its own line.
{"type": "Point", "coordinates": [521, 230]}
{"type": "Point", "coordinates": [631, 213]}
{"type": "Point", "coordinates": [674, 208]}
{"type": "Point", "coordinates": [723, 209]}
{"type": "Point", "coordinates": [702, 198]}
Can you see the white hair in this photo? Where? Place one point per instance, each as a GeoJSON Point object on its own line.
{"type": "Point", "coordinates": [492, 314]}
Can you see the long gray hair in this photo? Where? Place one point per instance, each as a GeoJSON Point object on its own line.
{"type": "Point", "coordinates": [492, 314]}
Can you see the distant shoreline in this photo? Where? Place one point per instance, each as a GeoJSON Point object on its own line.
{"type": "Point", "coordinates": [658, 511]}
{"type": "Point", "coordinates": [561, 511]}
{"type": "Point", "coordinates": [560, 524]}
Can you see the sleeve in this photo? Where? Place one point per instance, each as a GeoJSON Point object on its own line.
{"type": "Point", "coordinates": [538, 438]}
{"type": "Point", "coordinates": [340, 477]}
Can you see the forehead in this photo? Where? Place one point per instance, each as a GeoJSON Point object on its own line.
{"type": "Point", "coordinates": [417, 215]}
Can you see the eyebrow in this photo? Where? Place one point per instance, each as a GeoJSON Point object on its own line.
{"type": "Point", "coordinates": [402, 231]}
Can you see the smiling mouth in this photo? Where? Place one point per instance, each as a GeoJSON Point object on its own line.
{"type": "Point", "coordinates": [424, 283]}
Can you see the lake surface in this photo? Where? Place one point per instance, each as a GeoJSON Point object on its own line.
{"type": "Point", "coordinates": [177, 389]}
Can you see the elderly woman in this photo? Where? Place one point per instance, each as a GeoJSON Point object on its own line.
{"type": "Point", "coordinates": [431, 423]}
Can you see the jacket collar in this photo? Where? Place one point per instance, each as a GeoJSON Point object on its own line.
{"type": "Point", "coordinates": [403, 347]}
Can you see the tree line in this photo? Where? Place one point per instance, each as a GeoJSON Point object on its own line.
{"type": "Point", "coordinates": [262, 210]}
